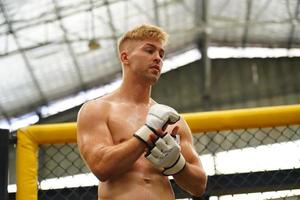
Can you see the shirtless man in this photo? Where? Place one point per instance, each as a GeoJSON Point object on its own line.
{"type": "Point", "coordinates": [124, 136]}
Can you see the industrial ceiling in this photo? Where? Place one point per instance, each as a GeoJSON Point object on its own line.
{"type": "Point", "coordinates": [53, 49]}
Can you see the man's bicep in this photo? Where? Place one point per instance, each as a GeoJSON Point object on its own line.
{"type": "Point", "coordinates": [92, 132]}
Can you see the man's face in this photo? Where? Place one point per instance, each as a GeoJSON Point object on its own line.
{"type": "Point", "coordinates": [146, 59]}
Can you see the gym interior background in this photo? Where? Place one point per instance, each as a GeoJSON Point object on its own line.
{"type": "Point", "coordinates": [222, 55]}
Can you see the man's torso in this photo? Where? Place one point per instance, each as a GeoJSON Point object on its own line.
{"type": "Point", "coordinates": [142, 181]}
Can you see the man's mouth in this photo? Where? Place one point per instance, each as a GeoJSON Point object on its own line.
{"type": "Point", "coordinates": [155, 67]}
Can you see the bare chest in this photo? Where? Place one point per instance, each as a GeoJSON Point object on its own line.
{"type": "Point", "coordinates": [124, 121]}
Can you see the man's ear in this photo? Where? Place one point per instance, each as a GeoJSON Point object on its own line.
{"type": "Point", "coordinates": [124, 57]}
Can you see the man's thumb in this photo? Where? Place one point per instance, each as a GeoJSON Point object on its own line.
{"type": "Point", "coordinates": [175, 131]}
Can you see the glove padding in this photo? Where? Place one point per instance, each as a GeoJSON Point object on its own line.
{"type": "Point", "coordinates": [166, 154]}
{"type": "Point", "coordinates": [159, 116]}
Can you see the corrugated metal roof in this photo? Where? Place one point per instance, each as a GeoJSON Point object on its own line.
{"type": "Point", "coordinates": [44, 44]}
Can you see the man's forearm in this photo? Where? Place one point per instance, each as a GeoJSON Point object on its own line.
{"type": "Point", "coordinates": [117, 159]}
{"type": "Point", "coordinates": [192, 179]}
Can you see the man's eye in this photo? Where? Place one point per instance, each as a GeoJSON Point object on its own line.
{"type": "Point", "coordinates": [149, 51]}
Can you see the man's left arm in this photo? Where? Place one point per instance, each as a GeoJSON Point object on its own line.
{"type": "Point", "coordinates": [192, 177]}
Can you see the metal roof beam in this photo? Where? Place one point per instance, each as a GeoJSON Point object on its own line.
{"type": "Point", "coordinates": [142, 11]}
{"type": "Point", "coordinates": [247, 24]}
{"type": "Point", "coordinates": [23, 54]}
{"type": "Point", "coordinates": [294, 22]}
{"type": "Point", "coordinates": [28, 25]}
{"type": "Point", "coordinates": [70, 49]}
{"type": "Point", "coordinates": [156, 12]}
{"type": "Point", "coordinates": [202, 12]}
{"type": "Point", "coordinates": [38, 45]}
{"type": "Point", "coordinates": [112, 26]}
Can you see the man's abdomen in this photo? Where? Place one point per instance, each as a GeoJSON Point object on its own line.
{"type": "Point", "coordinates": [136, 186]}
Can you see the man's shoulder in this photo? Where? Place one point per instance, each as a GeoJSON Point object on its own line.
{"type": "Point", "coordinates": [104, 100]}
{"type": "Point", "coordinates": [95, 106]}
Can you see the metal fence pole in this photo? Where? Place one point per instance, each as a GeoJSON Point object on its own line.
{"type": "Point", "coordinates": [4, 143]}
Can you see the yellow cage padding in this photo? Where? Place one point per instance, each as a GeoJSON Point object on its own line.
{"type": "Point", "coordinates": [30, 137]}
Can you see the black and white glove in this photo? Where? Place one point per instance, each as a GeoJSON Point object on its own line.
{"type": "Point", "coordinates": [159, 116]}
{"type": "Point", "coordinates": [166, 154]}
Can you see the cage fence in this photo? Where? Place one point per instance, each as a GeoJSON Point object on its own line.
{"type": "Point", "coordinates": [258, 163]}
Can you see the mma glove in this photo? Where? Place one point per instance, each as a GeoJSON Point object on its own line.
{"type": "Point", "coordinates": [159, 116]}
{"type": "Point", "coordinates": [166, 154]}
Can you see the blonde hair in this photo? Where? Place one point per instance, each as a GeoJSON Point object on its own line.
{"type": "Point", "coordinates": [142, 32]}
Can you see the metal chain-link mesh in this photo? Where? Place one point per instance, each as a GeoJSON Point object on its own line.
{"type": "Point", "coordinates": [59, 168]}
{"type": "Point", "coordinates": [60, 160]}
{"type": "Point", "coordinates": [237, 161]}
{"type": "Point", "coordinates": [251, 161]}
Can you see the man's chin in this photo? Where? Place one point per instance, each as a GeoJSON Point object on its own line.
{"type": "Point", "coordinates": [153, 80]}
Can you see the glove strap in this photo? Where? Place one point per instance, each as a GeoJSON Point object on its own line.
{"type": "Point", "coordinates": [143, 134]}
{"type": "Point", "coordinates": [152, 129]}
{"type": "Point", "coordinates": [176, 167]}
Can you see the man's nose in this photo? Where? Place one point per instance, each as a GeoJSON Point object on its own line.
{"type": "Point", "coordinates": [157, 58]}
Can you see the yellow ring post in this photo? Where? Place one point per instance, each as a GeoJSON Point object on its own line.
{"type": "Point", "coordinates": [26, 165]}
{"type": "Point", "coordinates": [28, 140]}
{"type": "Point", "coordinates": [243, 118]}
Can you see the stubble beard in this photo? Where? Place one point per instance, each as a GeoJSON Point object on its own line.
{"type": "Point", "coordinates": [154, 78]}
{"type": "Point", "coordinates": [148, 77]}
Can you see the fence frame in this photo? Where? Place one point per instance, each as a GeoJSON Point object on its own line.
{"type": "Point", "coordinates": [4, 145]}
{"type": "Point", "coordinates": [29, 138]}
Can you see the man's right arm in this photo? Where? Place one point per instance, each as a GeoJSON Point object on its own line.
{"type": "Point", "coordinates": [95, 143]}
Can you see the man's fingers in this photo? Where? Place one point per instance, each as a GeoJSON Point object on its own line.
{"type": "Point", "coordinates": [160, 132]}
{"type": "Point", "coordinates": [164, 126]}
{"type": "Point", "coordinates": [161, 145]}
{"type": "Point", "coordinates": [175, 131]}
{"type": "Point", "coordinates": [152, 138]}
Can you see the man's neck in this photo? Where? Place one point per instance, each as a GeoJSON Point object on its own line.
{"type": "Point", "coordinates": [135, 92]}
